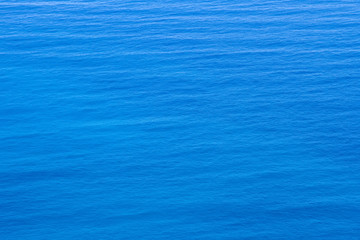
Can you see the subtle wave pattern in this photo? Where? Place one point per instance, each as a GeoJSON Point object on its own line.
{"type": "Point", "coordinates": [177, 119]}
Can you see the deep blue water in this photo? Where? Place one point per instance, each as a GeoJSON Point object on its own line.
{"type": "Point", "coordinates": [180, 119]}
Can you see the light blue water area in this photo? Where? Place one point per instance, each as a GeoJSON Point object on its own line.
{"type": "Point", "coordinates": [171, 119]}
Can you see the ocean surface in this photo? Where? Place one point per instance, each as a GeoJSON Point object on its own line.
{"type": "Point", "coordinates": [172, 119]}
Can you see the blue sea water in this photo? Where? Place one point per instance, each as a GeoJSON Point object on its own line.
{"type": "Point", "coordinates": [171, 119]}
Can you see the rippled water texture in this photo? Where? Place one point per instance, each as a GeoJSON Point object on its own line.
{"type": "Point", "coordinates": [180, 119]}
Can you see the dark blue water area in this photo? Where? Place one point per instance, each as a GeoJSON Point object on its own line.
{"type": "Point", "coordinates": [172, 119]}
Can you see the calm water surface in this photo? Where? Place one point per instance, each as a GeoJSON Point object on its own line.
{"type": "Point", "coordinates": [178, 119]}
